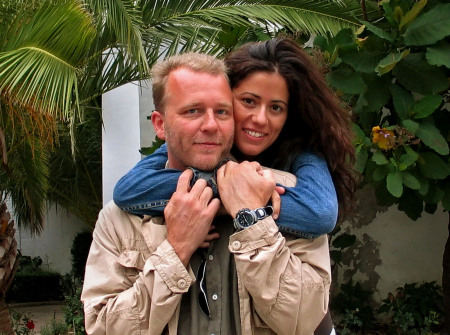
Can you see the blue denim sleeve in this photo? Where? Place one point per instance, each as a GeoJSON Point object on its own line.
{"type": "Point", "coordinates": [309, 209]}
{"type": "Point", "coordinates": [148, 186]}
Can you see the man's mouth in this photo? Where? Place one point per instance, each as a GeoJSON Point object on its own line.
{"type": "Point", "coordinates": [254, 133]}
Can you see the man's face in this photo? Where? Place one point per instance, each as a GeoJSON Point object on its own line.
{"type": "Point", "coordinates": [198, 123]}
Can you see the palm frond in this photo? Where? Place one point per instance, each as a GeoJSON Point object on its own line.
{"type": "Point", "coordinates": [175, 26]}
{"type": "Point", "coordinates": [121, 21]}
{"type": "Point", "coordinates": [76, 185]}
{"type": "Point", "coordinates": [24, 178]}
{"type": "Point", "coordinates": [41, 58]}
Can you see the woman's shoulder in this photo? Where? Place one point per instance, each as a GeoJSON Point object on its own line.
{"type": "Point", "coordinates": [308, 157]}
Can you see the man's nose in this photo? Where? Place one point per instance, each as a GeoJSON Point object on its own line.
{"type": "Point", "coordinates": [260, 116]}
{"type": "Point", "coordinates": [209, 121]}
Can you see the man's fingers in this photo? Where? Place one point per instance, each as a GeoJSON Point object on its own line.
{"type": "Point", "coordinates": [183, 184]}
{"type": "Point", "coordinates": [276, 204]}
{"type": "Point", "coordinates": [280, 190]}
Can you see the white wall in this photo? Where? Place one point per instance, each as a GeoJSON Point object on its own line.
{"type": "Point", "coordinates": [55, 242]}
{"type": "Point", "coordinates": [125, 111]}
{"type": "Point", "coordinates": [391, 249]}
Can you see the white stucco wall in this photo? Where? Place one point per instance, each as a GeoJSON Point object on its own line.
{"type": "Point", "coordinates": [410, 251]}
{"type": "Point", "coordinates": [125, 111]}
{"type": "Point", "coordinates": [55, 242]}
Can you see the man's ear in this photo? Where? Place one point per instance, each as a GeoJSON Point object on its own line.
{"type": "Point", "coordinates": [158, 124]}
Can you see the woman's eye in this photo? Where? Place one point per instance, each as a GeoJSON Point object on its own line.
{"type": "Point", "coordinates": [277, 108]}
{"type": "Point", "coordinates": [248, 101]}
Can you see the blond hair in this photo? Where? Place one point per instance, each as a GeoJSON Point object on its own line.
{"type": "Point", "coordinates": [191, 60]}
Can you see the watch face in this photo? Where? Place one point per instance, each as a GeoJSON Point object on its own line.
{"type": "Point", "coordinates": [246, 219]}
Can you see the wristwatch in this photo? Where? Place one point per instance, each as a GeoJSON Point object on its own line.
{"type": "Point", "coordinates": [247, 217]}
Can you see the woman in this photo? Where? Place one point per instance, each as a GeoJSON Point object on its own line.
{"type": "Point", "coordinates": [286, 117]}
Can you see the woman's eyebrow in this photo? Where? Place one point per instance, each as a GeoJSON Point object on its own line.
{"type": "Point", "coordinates": [259, 97]}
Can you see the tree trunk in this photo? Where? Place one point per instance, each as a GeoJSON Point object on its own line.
{"type": "Point", "coordinates": [9, 263]}
{"type": "Point", "coordinates": [446, 279]}
{"type": "Point", "coordinates": [5, 320]}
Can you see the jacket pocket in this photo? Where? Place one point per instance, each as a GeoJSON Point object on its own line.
{"type": "Point", "coordinates": [132, 262]}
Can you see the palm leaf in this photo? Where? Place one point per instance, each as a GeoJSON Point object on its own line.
{"type": "Point", "coordinates": [120, 22]}
{"type": "Point", "coordinates": [24, 178]}
{"type": "Point", "coordinates": [40, 60]}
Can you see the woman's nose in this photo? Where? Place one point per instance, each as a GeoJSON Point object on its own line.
{"type": "Point", "coordinates": [260, 116]}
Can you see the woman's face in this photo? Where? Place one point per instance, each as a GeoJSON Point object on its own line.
{"type": "Point", "coordinates": [260, 103]}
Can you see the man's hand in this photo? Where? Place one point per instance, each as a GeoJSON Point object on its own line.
{"type": "Point", "coordinates": [244, 185]}
{"type": "Point", "coordinates": [189, 215]}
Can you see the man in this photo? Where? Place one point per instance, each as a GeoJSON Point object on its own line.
{"type": "Point", "coordinates": [192, 272]}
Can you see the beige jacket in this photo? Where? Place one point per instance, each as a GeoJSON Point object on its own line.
{"type": "Point", "coordinates": [134, 280]}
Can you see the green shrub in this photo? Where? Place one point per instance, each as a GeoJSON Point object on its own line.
{"type": "Point", "coordinates": [55, 328]}
{"type": "Point", "coordinates": [32, 283]}
{"type": "Point", "coordinates": [80, 250]}
{"type": "Point", "coordinates": [413, 309]}
{"type": "Point", "coordinates": [353, 308]}
{"type": "Point", "coordinates": [74, 313]}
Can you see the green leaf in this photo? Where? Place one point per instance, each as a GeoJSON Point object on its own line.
{"type": "Point", "coordinates": [403, 101]}
{"type": "Point", "coordinates": [434, 195]}
{"type": "Point", "coordinates": [380, 173]}
{"type": "Point", "coordinates": [430, 27]}
{"type": "Point", "coordinates": [379, 158]}
{"type": "Point", "coordinates": [359, 133]}
{"type": "Point", "coordinates": [415, 74]}
{"type": "Point", "coordinates": [361, 159]}
{"type": "Point", "coordinates": [410, 181]}
{"type": "Point", "coordinates": [410, 152]}
{"type": "Point", "coordinates": [411, 126]}
{"type": "Point", "coordinates": [346, 80]}
{"type": "Point", "coordinates": [406, 160]}
{"type": "Point", "coordinates": [432, 166]}
{"type": "Point", "coordinates": [431, 136]}
{"type": "Point", "coordinates": [377, 94]}
{"type": "Point", "coordinates": [426, 106]}
{"type": "Point", "coordinates": [424, 185]}
{"type": "Point", "coordinates": [439, 54]}
{"type": "Point", "coordinates": [412, 14]}
{"type": "Point", "coordinates": [363, 60]}
{"type": "Point", "coordinates": [394, 183]}
{"type": "Point", "coordinates": [390, 61]}
{"type": "Point", "coordinates": [378, 31]}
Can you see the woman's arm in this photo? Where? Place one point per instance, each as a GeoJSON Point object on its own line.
{"type": "Point", "coordinates": [148, 186]}
{"type": "Point", "coordinates": [310, 208]}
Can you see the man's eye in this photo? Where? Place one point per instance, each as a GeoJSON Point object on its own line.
{"type": "Point", "coordinates": [222, 112]}
{"type": "Point", "coordinates": [192, 111]}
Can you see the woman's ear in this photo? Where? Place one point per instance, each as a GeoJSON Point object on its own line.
{"type": "Point", "coordinates": [158, 124]}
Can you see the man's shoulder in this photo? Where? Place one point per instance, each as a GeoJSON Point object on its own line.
{"type": "Point", "coordinates": [111, 213]}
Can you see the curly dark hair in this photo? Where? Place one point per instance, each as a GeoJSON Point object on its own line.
{"type": "Point", "coordinates": [316, 120]}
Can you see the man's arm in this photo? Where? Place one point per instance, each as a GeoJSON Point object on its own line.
{"type": "Point", "coordinates": [287, 281]}
{"type": "Point", "coordinates": [128, 287]}
{"type": "Point", "coordinates": [136, 271]}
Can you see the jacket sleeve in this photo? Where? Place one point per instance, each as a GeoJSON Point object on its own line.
{"type": "Point", "coordinates": [148, 186]}
{"type": "Point", "coordinates": [310, 208]}
{"type": "Point", "coordinates": [287, 281]}
{"type": "Point", "coordinates": [124, 291]}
